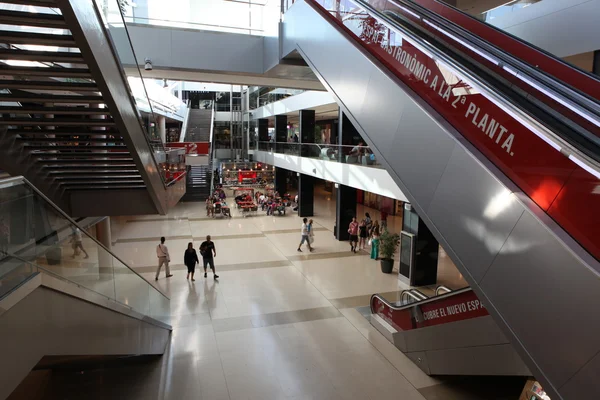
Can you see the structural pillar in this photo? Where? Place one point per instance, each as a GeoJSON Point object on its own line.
{"type": "Point", "coordinates": [281, 180]}
{"type": "Point", "coordinates": [345, 210]}
{"type": "Point", "coordinates": [306, 195]}
{"type": "Point", "coordinates": [103, 235]}
{"type": "Point", "coordinates": [307, 132]}
{"type": "Point", "coordinates": [280, 129]}
{"type": "Point", "coordinates": [426, 249]}
{"type": "Point", "coordinates": [596, 63]}
{"type": "Point", "coordinates": [162, 128]}
{"type": "Point", "coordinates": [263, 130]}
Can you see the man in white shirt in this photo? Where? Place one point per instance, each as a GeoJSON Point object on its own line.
{"type": "Point", "coordinates": [305, 235]}
{"type": "Point", "coordinates": [162, 252]}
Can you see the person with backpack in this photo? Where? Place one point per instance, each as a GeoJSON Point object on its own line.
{"type": "Point", "coordinates": [190, 259]}
{"type": "Point", "coordinates": [208, 252]}
{"type": "Point", "coordinates": [162, 252]}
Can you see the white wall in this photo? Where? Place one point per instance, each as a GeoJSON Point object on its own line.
{"type": "Point", "coordinates": [561, 27]}
{"type": "Point", "coordinates": [374, 180]}
{"type": "Point", "coordinates": [307, 100]}
{"type": "Point", "coordinates": [193, 49]}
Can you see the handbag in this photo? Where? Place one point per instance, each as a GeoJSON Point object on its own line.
{"type": "Point", "coordinates": [370, 241]}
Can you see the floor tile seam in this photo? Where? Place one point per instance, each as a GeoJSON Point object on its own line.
{"type": "Point", "coordinates": [155, 219]}
{"type": "Point", "coordinates": [152, 239]}
{"type": "Point", "coordinates": [381, 353]}
{"type": "Point", "coordinates": [230, 237]}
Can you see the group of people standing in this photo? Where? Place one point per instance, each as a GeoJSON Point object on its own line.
{"type": "Point", "coordinates": [208, 252]}
{"type": "Point", "coordinates": [363, 232]}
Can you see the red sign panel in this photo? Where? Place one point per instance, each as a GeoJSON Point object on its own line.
{"type": "Point", "coordinates": [542, 172]}
{"type": "Point", "coordinates": [200, 148]}
{"type": "Point", "coordinates": [452, 308]}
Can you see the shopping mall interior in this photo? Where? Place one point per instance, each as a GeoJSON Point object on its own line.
{"type": "Point", "coordinates": [299, 199]}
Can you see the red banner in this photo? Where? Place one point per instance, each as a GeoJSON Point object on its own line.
{"type": "Point", "coordinates": [450, 308]}
{"type": "Point", "coordinates": [199, 148]}
{"type": "Point", "coordinates": [554, 182]}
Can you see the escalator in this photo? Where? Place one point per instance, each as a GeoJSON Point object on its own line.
{"type": "Point", "coordinates": [496, 144]}
{"type": "Point", "coordinates": [69, 120]}
{"type": "Point", "coordinates": [447, 334]}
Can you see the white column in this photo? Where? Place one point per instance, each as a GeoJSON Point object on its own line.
{"type": "Point", "coordinates": [162, 127]}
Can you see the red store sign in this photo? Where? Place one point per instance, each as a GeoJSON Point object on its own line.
{"type": "Point", "coordinates": [199, 148]}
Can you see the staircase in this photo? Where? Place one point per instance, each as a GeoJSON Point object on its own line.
{"type": "Point", "coordinates": [199, 125]}
{"type": "Point", "coordinates": [198, 182]}
{"type": "Point", "coordinates": [69, 122]}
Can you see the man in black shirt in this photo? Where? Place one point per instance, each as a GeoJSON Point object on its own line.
{"type": "Point", "coordinates": [208, 251]}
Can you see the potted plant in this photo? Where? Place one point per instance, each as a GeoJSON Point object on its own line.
{"type": "Point", "coordinates": [388, 243]}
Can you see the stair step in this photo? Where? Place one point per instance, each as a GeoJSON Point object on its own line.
{"type": "Point", "coordinates": [112, 186]}
{"type": "Point", "coordinates": [39, 55]}
{"type": "Point", "coordinates": [78, 173]}
{"type": "Point", "coordinates": [48, 85]}
{"type": "Point", "coordinates": [34, 3]}
{"type": "Point", "coordinates": [40, 20]}
{"type": "Point", "coordinates": [56, 122]}
{"type": "Point", "coordinates": [55, 72]}
{"type": "Point", "coordinates": [52, 98]}
{"type": "Point", "coordinates": [99, 180]}
{"type": "Point", "coordinates": [41, 39]}
{"type": "Point", "coordinates": [85, 165]}
{"type": "Point", "coordinates": [53, 110]}
{"type": "Point", "coordinates": [89, 156]}
{"type": "Point", "coordinates": [109, 149]}
{"type": "Point", "coordinates": [77, 140]}
{"type": "Point", "coordinates": [65, 131]}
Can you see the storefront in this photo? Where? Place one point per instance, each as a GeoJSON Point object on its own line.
{"type": "Point", "coordinates": [246, 173]}
{"type": "Point", "coordinates": [378, 202]}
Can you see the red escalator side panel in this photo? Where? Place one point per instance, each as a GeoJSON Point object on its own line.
{"type": "Point", "coordinates": [448, 309]}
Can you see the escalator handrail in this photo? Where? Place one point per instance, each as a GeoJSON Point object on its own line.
{"type": "Point", "coordinates": [440, 288]}
{"type": "Point", "coordinates": [523, 117]}
{"type": "Point", "coordinates": [567, 95]}
{"type": "Point", "coordinates": [493, 35]}
{"type": "Point", "coordinates": [394, 307]}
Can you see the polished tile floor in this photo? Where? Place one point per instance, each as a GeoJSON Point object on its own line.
{"type": "Point", "coordinates": [278, 324]}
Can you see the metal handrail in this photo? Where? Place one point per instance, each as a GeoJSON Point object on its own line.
{"type": "Point", "coordinates": [14, 180]}
{"type": "Point", "coordinates": [394, 307]}
{"type": "Point", "coordinates": [440, 288]}
{"type": "Point", "coordinates": [408, 293]}
{"type": "Point", "coordinates": [419, 294]}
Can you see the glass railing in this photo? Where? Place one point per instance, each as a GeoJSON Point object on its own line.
{"type": "Point", "coordinates": [37, 237]}
{"type": "Point", "coordinates": [360, 155]}
{"type": "Point", "coordinates": [507, 9]}
{"type": "Point", "coordinates": [273, 95]}
{"type": "Point", "coordinates": [244, 17]}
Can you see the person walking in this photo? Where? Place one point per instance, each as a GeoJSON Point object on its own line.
{"type": "Point", "coordinates": [190, 259]}
{"type": "Point", "coordinates": [375, 233]}
{"type": "Point", "coordinates": [384, 216]}
{"type": "Point", "coordinates": [305, 235]}
{"type": "Point", "coordinates": [162, 252]}
{"type": "Point", "coordinates": [368, 222]}
{"type": "Point", "coordinates": [353, 231]}
{"type": "Point", "coordinates": [311, 233]}
{"type": "Point", "coordinates": [208, 251]}
{"type": "Point", "coordinates": [77, 240]}
{"type": "Point", "coordinates": [362, 235]}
